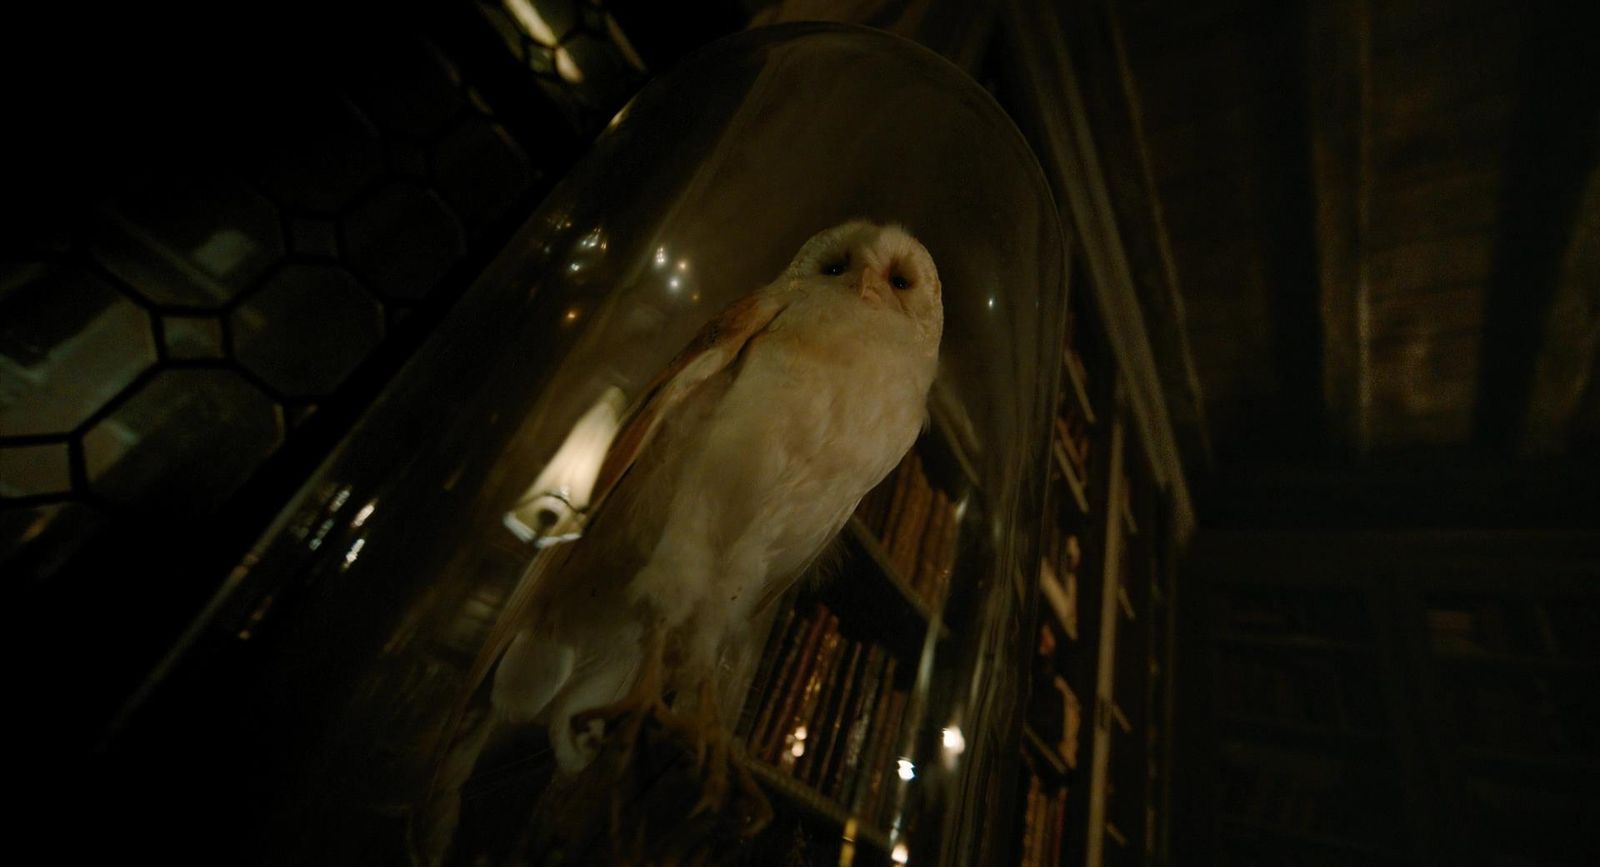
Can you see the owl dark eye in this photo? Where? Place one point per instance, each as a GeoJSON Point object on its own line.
{"type": "Point", "coordinates": [836, 267]}
{"type": "Point", "coordinates": [898, 281]}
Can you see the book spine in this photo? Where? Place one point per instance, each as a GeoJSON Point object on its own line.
{"type": "Point", "coordinates": [829, 715]}
{"type": "Point", "coordinates": [879, 666]}
{"type": "Point", "coordinates": [772, 737]}
{"type": "Point", "coordinates": [887, 764]}
{"type": "Point", "coordinates": [803, 722]}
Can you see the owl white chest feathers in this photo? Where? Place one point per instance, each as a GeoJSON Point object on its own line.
{"type": "Point", "coordinates": [766, 466]}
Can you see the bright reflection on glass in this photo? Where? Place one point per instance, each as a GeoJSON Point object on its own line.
{"type": "Point", "coordinates": [955, 743]}
{"type": "Point", "coordinates": [908, 771]}
{"type": "Point", "coordinates": [551, 510]}
{"type": "Point", "coordinates": [535, 26]}
{"type": "Point", "coordinates": [354, 552]}
{"type": "Point", "coordinates": [991, 302]}
{"type": "Point", "coordinates": [567, 67]}
{"type": "Point", "coordinates": [901, 853]}
{"type": "Point", "coordinates": [365, 513]}
{"type": "Point", "coordinates": [661, 257]}
{"type": "Point", "coordinates": [675, 284]}
{"type": "Point", "coordinates": [953, 740]}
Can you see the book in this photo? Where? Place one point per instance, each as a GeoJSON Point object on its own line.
{"type": "Point", "coordinates": [830, 715]}
{"type": "Point", "coordinates": [795, 739]}
{"type": "Point", "coordinates": [924, 578]}
{"type": "Point", "coordinates": [887, 763]}
{"type": "Point", "coordinates": [789, 696]}
{"type": "Point", "coordinates": [897, 501]}
{"type": "Point", "coordinates": [1031, 820]}
{"type": "Point", "coordinates": [859, 743]}
{"type": "Point", "coordinates": [869, 669]}
{"type": "Point", "coordinates": [907, 534]}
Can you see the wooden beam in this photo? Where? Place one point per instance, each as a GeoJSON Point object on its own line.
{"type": "Point", "coordinates": [1571, 334]}
{"type": "Point", "coordinates": [1545, 197]}
{"type": "Point", "coordinates": [1339, 85]}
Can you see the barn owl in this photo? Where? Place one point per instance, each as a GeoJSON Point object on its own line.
{"type": "Point", "coordinates": [737, 467]}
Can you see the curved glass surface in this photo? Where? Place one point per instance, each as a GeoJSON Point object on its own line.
{"type": "Point", "coordinates": [348, 635]}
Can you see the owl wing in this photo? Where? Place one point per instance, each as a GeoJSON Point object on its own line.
{"type": "Point", "coordinates": [717, 346]}
{"type": "Point", "coordinates": [714, 349]}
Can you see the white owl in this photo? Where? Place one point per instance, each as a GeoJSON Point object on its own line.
{"type": "Point", "coordinates": [740, 464]}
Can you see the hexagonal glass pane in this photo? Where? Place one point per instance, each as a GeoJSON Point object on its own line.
{"type": "Point", "coordinates": [186, 441]}
{"type": "Point", "coordinates": [68, 344]}
{"type": "Point", "coordinates": [191, 337]}
{"type": "Point", "coordinates": [193, 242]}
{"type": "Point", "coordinates": [307, 328]}
{"type": "Point", "coordinates": [31, 471]}
{"type": "Point", "coordinates": [402, 240]}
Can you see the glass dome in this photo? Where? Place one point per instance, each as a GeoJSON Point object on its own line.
{"type": "Point", "coordinates": [318, 686]}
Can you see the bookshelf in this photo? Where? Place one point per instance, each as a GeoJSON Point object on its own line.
{"type": "Point", "coordinates": [1094, 752]}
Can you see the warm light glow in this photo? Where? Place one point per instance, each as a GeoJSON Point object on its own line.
{"type": "Point", "coordinates": [532, 22]}
{"type": "Point", "coordinates": [683, 264]}
{"type": "Point", "coordinates": [571, 314]}
{"type": "Point", "coordinates": [991, 303]}
{"type": "Point", "coordinates": [365, 513]}
{"type": "Point", "coordinates": [901, 854]}
{"type": "Point", "coordinates": [551, 509]}
{"type": "Point", "coordinates": [953, 740]}
{"type": "Point", "coordinates": [674, 284]}
{"type": "Point", "coordinates": [908, 771]}
{"type": "Point", "coordinates": [661, 257]}
{"type": "Point", "coordinates": [567, 67]}
{"type": "Point", "coordinates": [797, 742]}
{"type": "Point", "coordinates": [574, 267]}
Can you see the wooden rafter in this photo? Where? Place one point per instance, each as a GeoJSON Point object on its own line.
{"type": "Point", "coordinates": [1338, 76]}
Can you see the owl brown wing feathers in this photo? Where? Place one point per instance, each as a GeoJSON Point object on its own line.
{"type": "Point", "coordinates": [716, 347]}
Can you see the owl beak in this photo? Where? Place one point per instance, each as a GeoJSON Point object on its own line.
{"type": "Point", "coordinates": [872, 287]}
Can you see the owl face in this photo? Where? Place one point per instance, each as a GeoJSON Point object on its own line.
{"type": "Point", "coordinates": [882, 265]}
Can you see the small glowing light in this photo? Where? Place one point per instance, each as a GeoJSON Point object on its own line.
{"type": "Point", "coordinates": [661, 257]}
{"type": "Point", "coordinates": [365, 513]}
{"type": "Point", "coordinates": [675, 284]}
{"type": "Point", "coordinates": [953, 740]}
{"type": "Point", "coordinates": [901, 853]}
{"type": "Point", "coordinates": [991, 303]}
{"type": "Point", "coordinates": [908, 771]}
{"type": "Point", "coordinates": [571, 314]}
{"type": "Point", "coordinates": [574, 267]}
{"type": "Point", "coordinates": [683, 265]}
{"type": "Point", "coordinates": [354, 552]}
{"type": "Point", "coordinates": [695, 297]}
{"type": "Point", "coordinates": [797, 742]}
